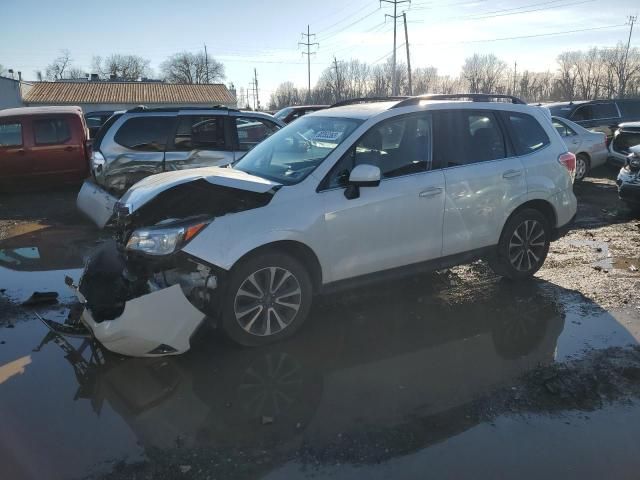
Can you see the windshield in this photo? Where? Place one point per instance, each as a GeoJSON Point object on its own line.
{"type": "Point", "coordinates": [292, 153]}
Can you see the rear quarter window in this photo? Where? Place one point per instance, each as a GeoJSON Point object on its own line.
{"type": "Point", "coordinates": [527, 134]}
{"type": "Point", "coordinates": [630, 108]}
{"type": "Point", "coordinates": [145, 133]}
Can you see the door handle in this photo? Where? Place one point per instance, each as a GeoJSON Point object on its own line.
{"type": "Point", "coordinates": [512, 173]}
{"type": "Point", "coordinates": [431, 192]}
{"type": "Point", "coordinates": [68, 149]}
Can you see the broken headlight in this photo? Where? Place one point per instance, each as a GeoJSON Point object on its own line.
{"type": "Point", "coordinates": [164, 239]}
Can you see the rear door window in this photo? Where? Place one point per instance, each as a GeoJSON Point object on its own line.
{"type": "Point", "coordinates": [10, 134]}
{"type": "Point", "coordinates": [604, 110]}
{"type": "Point", "coordinates": [630, 108]}
{"type": "Point", "coordinates": [145, 133]}
{"type": "Point", "coordinates": [252, 131]}
{"type": "Point", "coordinates": [464, 137]}
{"type": "Point", "coordinates": [527, 134]}
{"type": "Point", "coordinates": [51, 131]}
{"type": "Point", "coordinates": [200, 132]}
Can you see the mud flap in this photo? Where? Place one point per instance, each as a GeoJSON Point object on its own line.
{"type": "Point", "coordinates": [96, 203]}
{"type": "Point", "coordinates": [159, 323]}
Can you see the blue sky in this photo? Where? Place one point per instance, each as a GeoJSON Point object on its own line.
{"type": "Point", "coordinates": [265, 34]}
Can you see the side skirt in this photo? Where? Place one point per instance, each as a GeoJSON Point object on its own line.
{"type": "Point", "coordinates": [408, 270]}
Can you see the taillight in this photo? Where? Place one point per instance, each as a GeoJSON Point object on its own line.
{"type": "Point", "coordinates": [568, 159]}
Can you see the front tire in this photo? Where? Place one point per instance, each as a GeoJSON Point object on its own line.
{"type": "Point", "coordinates": [523, 246]}
{"type": "Point", "coordinates": [267, 300]}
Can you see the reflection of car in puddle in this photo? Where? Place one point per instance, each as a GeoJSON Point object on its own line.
{"type": "Point", "coordinates": [49, 248]}
{"type": "Point", "coordinates": [376, 363]}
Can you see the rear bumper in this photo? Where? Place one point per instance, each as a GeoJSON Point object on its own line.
{"type": "Point", "coordinates": [96, 203]}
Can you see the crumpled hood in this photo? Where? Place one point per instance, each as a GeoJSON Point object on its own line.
{"type": "Point", "coordinates": [150, 187]}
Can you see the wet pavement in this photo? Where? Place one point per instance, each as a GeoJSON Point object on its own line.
{"type": "Point", "coordinates": [455, 374]}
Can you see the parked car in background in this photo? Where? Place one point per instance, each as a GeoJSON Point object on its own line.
{"type": "Point", "coordinates": [628, 180]}
{"type": "Point", "coordinates": [289, 114]}
{"type": "Point", "coordinates": [95, 120]}
{"type": "Point", "coordinates": [627, 136]}
{"type": "Point", "coordinates": [428, 184]}
{"type": "Point", "coordinates": [43, 147]}
{"type": "Point", "coordinates": [590, 148]}
{"type": "Point", "coordinates": [136, 143]}
{"type": "Point", "coordinates": [598, 115]}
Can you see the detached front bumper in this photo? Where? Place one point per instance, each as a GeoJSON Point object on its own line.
{"type": "Point", "coordinates": [138, 308]}
{"type": "Point", "coordinates": [159, 323]}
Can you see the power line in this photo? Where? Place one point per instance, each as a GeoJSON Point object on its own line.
{"type": "Point", "coordinates": [529, 36]}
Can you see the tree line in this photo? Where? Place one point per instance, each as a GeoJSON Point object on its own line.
{"type": "Point", "coordinates": [181, 67]}
{"type": "Point", "coordinates": [590, 74]}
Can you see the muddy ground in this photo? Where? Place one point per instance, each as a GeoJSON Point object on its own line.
{"type": "Point", "coordinates": [456, 374]}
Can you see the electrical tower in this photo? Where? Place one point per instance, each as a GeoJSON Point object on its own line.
{"type": "Point", "coordinates": [395, 16]}
{"type": "Point", "coordinates": [308, 53]}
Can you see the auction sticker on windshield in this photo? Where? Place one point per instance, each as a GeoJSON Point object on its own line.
{"type": "Point", "coordinates": [327, 135]}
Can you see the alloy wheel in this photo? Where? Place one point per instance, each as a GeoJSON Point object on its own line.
{"type": "Point", "coordinates": [527, 244]}
{"type": "Point", "coordinates": [267, 301]}
{"type": "Point", "coordinates": [581, 168]}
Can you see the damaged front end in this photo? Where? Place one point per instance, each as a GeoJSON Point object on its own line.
{"type": "Point", "coordinates": [139, 307]}
{"type": "Point", "coordinates": [143, 295]}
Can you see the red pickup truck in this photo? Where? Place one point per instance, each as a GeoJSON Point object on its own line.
{"type": "Point", "coordinates": [42, 147]}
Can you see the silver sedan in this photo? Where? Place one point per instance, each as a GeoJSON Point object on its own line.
{"type": "Point", "coordinates": [590, 148]}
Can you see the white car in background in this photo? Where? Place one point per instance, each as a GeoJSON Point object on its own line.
{"type": "Point", "coordinates": [590, 148]}
{"type": "Point", "coordinates": [341, 197]}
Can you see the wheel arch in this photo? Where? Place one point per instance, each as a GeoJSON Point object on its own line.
{"type": "Point", "coordinates": [543, 206]}
{"type": "Point", "coordinates": [298, 250]}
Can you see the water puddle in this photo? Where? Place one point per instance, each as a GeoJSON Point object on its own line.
{"type": "Point", "coordinates": [367, 360]}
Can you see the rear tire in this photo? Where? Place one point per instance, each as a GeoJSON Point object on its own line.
{"type": "Point", "coordinates": [267, 300]}
{"type": "Point", "coordinates": [523, 245]}
{"type": "Point", "coordinates": [582, 167]}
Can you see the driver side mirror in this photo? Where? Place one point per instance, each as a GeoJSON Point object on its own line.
{"type": "Point", "coordinates": [362, 175]}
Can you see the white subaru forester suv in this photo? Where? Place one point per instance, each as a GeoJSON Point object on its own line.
{"type": "Point", "coordinates": [365, 191]}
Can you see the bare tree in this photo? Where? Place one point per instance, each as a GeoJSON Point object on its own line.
{"type": "Point", "coordinates": [567, 69]}
{"type": "Point", "coordinates": [424, 80]}
{"type": "Point", "coordinates": [285, 95]}
{"type": "Point", "coordinates": [472, 72]}
{"type": "Point", "coordinates": [122, 67]}
{"type": "Point", "coordinates": [57, 69]}
{"type": "Point", "coordinates": [187, 67]}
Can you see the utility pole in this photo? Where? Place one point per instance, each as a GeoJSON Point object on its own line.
{"type": "Point", "coordinates": [632, 20]}
{"type": "Point", "coordinates": [406, 41]}
{"type": "Point", "coordinates": [308, 53]}
{"type": "Point", "coordinates": [515, 76]}
{"type": "Point", "coordinates": [394, 77]}
{"type": "Point", "coordinates": [338, 87]}
{"type": "Point", "coordinates": [206, 62]}
{"type": "Point", "coordinates": [255, 83]}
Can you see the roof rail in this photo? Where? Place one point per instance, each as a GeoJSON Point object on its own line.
{"type": "Point", "coordinates": [354, 101]}
{"type": "Point", "coordinates": [474, 97]}
{"type": "Point", "coordinates": [144, 108]}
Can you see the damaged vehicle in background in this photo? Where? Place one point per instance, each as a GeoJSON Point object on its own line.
{"type": "Point", "coordinates": [590, 148]}
{"type": "Point", "coordinates": [628, 180]}
{"type": "Point", "coordinates": [136, 143]}
{"type": "Point", "coordinates": [338, 198]}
